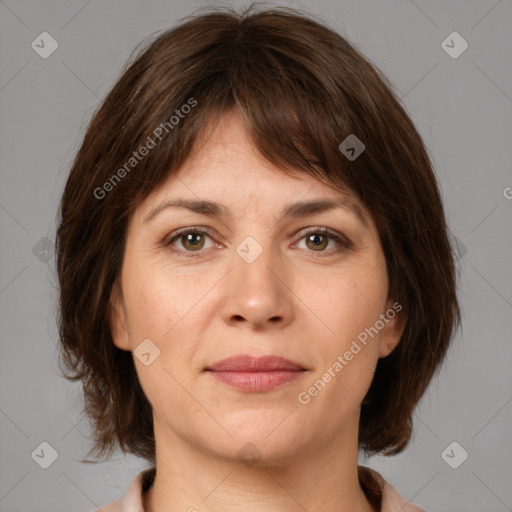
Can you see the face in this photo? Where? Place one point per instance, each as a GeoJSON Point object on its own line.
{"type": "Point", "coordinates": [206, 295]}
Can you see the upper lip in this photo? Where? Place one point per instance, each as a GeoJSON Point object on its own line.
{"type": "Point", "coordinates": [246, 363]}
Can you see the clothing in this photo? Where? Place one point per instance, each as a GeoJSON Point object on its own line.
{"type": "Point", "coordinates": [379, 492]}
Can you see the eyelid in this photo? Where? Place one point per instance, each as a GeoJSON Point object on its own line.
{"type": "Point", "coordinates": [167, 241]}
{"type": "Point", "coordinates": [338, 237]}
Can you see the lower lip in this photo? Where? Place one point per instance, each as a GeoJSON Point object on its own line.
{"type": "Point", "coordinates": [257, 382]}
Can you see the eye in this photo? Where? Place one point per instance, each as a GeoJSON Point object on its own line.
{"type": "Point", "coordinates": [317, 239]}
{"type": "Point", "coordinates": [192, 240]}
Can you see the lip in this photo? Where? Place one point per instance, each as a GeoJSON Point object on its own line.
{"type": "Point", "coordinates": [246, 363]}
{"type": "Point", "coordinates": [255, 374]}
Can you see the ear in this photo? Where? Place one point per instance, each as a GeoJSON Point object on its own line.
{"type": "Point", "coordinates": [394, 325]}
{"type": "Point", "coordinates": [117, 319]}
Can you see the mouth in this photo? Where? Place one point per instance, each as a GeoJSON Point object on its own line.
{"type": "Point", "coordinates": [256, 374]}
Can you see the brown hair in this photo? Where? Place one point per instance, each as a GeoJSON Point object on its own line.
{"type": "Point", "coordinates": [302, 89]}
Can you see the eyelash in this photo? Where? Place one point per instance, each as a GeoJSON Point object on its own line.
{"type": "Point", "coordinates": [343, 242]}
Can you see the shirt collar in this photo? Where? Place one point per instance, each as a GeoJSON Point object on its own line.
{"type": "Point", "coordinates": [380, 493]}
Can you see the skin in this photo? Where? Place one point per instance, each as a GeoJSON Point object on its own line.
{"type": "Point", "coordinates": [298, 300]}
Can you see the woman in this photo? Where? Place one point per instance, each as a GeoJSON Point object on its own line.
{"type": "Point", "coordinates": [256, 280]}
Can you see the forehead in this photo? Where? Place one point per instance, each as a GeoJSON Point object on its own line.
{"type": "Point", "coordinates": [226, 158]}
{"type": "Point", "coordinates": [226, 174]}
{"type": "Point", "coordinates": [226, 155]}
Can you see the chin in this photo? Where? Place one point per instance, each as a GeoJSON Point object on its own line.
{"type": "Point", "coordinates": [258, 451]}
{"type": "Point", "coordinates": [271, 436]}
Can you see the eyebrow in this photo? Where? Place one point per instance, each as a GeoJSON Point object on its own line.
{"type": "Point", "coordinates": [291, 210]}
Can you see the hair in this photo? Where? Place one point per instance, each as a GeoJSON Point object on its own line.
{"type": "Point", "coordinates": [302, 89]}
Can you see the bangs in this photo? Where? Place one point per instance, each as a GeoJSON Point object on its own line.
{"type": "Point", "coordinates": [294, 112]}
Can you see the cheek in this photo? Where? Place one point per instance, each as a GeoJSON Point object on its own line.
{"type": "Point", "coordinates": [165, 306]}
{"type": "Point", "coordinates": [157, 310]}
{"type": "Point", "coordinates": [156, 298]}
{"type": "Point", "coordinates": [346, 302]}
{"type": "Point", "coordinates": [349, 303]}
{"type": "Point", "coordinates": [343, 375]}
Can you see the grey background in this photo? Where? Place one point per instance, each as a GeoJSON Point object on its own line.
{"type": "Point", "coordinates": [463, 109]}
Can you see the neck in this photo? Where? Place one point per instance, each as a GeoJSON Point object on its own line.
{"type": "Point", "coordinates": [321, 477]}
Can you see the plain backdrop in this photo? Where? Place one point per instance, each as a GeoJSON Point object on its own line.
{"type": "Point", "coordinates": [463, 109]}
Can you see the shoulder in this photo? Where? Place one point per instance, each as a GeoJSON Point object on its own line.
{"type": "Point", "coordinates": [381, 494]}
{"type": "Point", "coordinates": [115, 506]}
{"type": "Point", "coordinates": [132, 500]}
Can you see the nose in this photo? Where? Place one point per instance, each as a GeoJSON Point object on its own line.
{"type": "Point", "coordinates": [258, 293]}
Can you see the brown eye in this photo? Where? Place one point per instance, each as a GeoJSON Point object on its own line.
{"type": "Point", "coordinates": [192, 241]}
{"type": "Point", "coordinates": [189, 242]}
{"type": "Point", "coordinates": [317, 241]}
